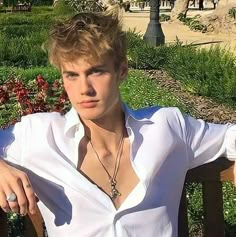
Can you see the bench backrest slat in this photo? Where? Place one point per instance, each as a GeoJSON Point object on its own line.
{"type": "Point", "coordinates": [183, 216]}
{"type": "Point", "coordinates": [211, 176]}
{"type": "Point", "coordinates": [213, 209]}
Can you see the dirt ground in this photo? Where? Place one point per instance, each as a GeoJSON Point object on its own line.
{"type": "Point", "coordinates": [139, 20]}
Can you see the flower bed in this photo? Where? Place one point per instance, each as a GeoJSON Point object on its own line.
{"type": "Point", "coordinates": [18, 99]}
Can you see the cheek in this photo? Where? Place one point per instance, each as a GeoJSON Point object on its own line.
{"type": "Point", "coordinates": [107, 90]}
{"type": "Point", "coordinates": [66, 87]}
{"type": "Point", "coordinates": [70, 90]}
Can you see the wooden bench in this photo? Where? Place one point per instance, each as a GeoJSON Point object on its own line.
{"type": "Point", "coordinates": [210, 175]}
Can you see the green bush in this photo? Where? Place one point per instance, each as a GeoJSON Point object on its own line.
{"type": "Point", "coordinates": [63, 8]}
{"type": "Point", "coordinates": [45, 19]}
{"type": "Point", "coordinates": [164, 17]}
{"type": "Point", "coordinates": [193, 23]}
{"type": "Point", "coordinates": [43, 9]}
{"type": "Point", "coordinates": [16, 31]}
{"type": "Point", "coordinates": [232, 12]}
{"type": "Point", "coordinates": [142, 55]}
{"type": "Point", "coordinates": [42, 3]}
{"type": "Point", "coordinates": [23, 51]}
{"type": "Point", "coordinates": [147, 57]}
{"type": "Point", "coordinates": [208, 72]}
{"type": "Point", "coordinates": [21, 39]}
{"type": "Point", "coordinates": [134, 39]}
{"type": "Point", "coordinates": [29, 74]}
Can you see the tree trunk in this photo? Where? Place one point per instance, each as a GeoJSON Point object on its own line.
{"type": "Point", "coordinates": [181, 6]}
{"type": "Point", "coordinates": [224, 6]}
{"type": "Point", "coordinates": [220, 20]}
{"type": "Point", "coordinates": [54, 3]}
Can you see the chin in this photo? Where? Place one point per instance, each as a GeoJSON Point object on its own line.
{"type": "Point", "coordinates": [90, 114]}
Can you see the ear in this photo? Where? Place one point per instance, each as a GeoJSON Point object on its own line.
{"type": "Point", "coordinates": [123, 72]}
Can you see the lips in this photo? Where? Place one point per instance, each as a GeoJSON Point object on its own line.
{"type": "Point", "coordinates": [88, 103]}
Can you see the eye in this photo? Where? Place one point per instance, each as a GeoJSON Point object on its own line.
{"type": "Point", "coordinates": [97, 71]}
{"type": "Point", "coordinates": [71, 76]}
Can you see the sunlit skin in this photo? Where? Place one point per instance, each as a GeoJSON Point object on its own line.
{"type": "Point", "coordinates": [93, 89]}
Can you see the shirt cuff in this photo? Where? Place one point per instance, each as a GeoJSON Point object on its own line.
{"type": "Point", "coordinates": [230, 143]}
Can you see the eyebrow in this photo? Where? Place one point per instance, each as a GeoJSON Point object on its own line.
{"type": "Point", "coordinates": [102, 66]}
{"type": "Point", "coordinates": [69, 72]}
{"type": "Point", "coordinates": [98, 67]}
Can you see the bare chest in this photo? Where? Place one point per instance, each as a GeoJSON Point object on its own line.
{"type": "Point", "coordinates": [101, 172]}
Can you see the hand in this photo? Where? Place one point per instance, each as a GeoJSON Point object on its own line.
{"type": "Point", "coordinates": [17, 182]}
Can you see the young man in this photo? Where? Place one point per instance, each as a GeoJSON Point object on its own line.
{"type": "Point", "coordinates": [103, 169]}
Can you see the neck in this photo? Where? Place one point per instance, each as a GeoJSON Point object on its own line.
{"type": "Point", "coordinates": [105, 133]}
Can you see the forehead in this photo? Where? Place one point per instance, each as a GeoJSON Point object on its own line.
{"type": "Point", "coordinates": [85, 63]}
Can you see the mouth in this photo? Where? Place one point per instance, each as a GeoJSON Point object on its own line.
{"type": "Point", "coordinates": [88, 103]}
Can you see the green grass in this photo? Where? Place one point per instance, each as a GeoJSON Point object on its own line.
{"type": "Point", "coordinates": [22, 37]}
{"type": "Point", "coordinates": [44, 18]}
{"type": "Point", "coordinates": [141, 91]}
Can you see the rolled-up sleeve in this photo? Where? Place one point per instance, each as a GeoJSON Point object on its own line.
{"type": "Point", "coordinates": [208, 141]}
{"type": "Point", "coordinates": [12, 142]}
{"type": "Point", "coordinates": [230, 143]}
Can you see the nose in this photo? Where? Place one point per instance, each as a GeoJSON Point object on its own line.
{"type": "Point", "coordinates": [85, 86]}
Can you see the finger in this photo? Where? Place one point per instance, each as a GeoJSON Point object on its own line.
{"type": "Point", "coordinates": [24, 192]}
{"type": "Point", "coordinates": [3, 202]}
{"type": "Point", "coordinates": [12, 204]}
{"type": "Point", "coordinates": [22, 201]}
{"type": "Point", "coordinates": [29, 193]}
{"type": "Point", "coordinates": [14, 207]}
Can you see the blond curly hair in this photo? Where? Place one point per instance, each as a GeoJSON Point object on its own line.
{"type": "Point", "coordinates": [88, 35]}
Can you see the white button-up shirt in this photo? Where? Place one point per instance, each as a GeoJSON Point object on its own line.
{"type": "Point", "coordinates": [164, 145]}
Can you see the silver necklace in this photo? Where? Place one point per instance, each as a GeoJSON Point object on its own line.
{"type": "Point", "coordinates": [114, 193]}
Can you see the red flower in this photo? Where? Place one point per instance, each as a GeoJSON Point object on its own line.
{"type": "Point", "coordinates": [56, 85]}
{"type": "Point", "coordinates": [4, 95]}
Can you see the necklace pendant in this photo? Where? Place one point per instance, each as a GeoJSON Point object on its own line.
{"type": "Point", "coordinates": [114, 192]}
